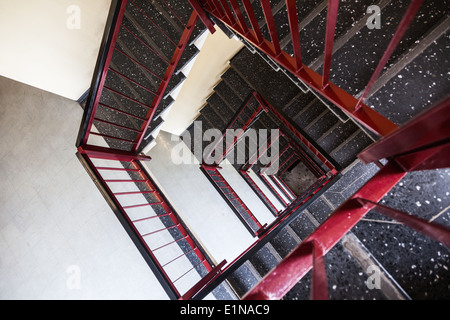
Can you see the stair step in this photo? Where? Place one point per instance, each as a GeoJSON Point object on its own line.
{"type": "Point", "coordinates": [416, 87]}
{"type": "Point", "coordinates": [265, 260]}
{"type": "Point", "coordinates": [341, 40]}
{"type": "Point", "coordinates": [243, 279]}
{"type": "Point", "coordinates": [149, 34]}
{"type": "Point", "coordinates": [236, 83]}
{"type": "Point", "coordinates": [228, 96]}
{"type": "Point", "coordinates": [322, 124]}
{"type": "Point", "coordinates": [266, 81]}
{"type": "Point", "coordinates": [320, 210]}
{"type": "Point", "coordinates": [417, 262]}
{"type": "Point", "coordinates": [294, 107]}
{"type": "Point", "coordinates": [146, 72]}
{"type": "Point", "coordinates": [303, 225]}
{"type": "Point", "coordinates": [353, 65]}
{"type": "Point", "coordinates": [284, 242]}
{"type": "Point", "coordinates": [189, 53]}
{"type": "Point", "coordinates": [162, 106]}
{"type": "Point", "coordinates": [306, 12]}
{"type": "Point", "coordinates": [213, 116]}
{"type": "Point", "coordinates": [217, 103]}
{"type": "Point", "coordinates": [179, 9]}
{"type": "Point", "coordinates": [312, 112]}
{"type": "Point", "coordinates": [346, 153]}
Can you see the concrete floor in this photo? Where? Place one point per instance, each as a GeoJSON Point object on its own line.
{"type": "Point", "coordinates": [58, 237]}
{"type": "Point", "coordinates": [299, 178]}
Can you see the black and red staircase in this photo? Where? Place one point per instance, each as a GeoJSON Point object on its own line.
{"type": "Point", "coordinates": [329, 84]}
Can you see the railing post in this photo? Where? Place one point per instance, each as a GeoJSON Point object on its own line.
{"type": "Point", "coordinates": [414, 145]}
{"type": "Point", "coordinates": [333, 6]}
{"type": "Point", "coordinates": [108, 43]}
{"type": "Point", "coordinates": [401, 29]}
{"type": "Point", "coordinates": [199, 286]}
{"type": "Point", "coordinates": [203, 16]}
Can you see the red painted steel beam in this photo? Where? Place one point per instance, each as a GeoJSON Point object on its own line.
{"type": "Point", "coordinates": [202, 15]}
{"type": "Point", "coordinates": [172, 216]}
{"type": "Point", "coordinates": [365, 115]}
{"type": "Point", "coordinates": [433, 230]}
{"type": "Point", "coordinates": [291, 6]}
{"type": "Point", "coordinates": [110, 154]}
{"type": "Point", "coordinates": [432, 158]}
{"type": "Point", "coordinates": [319, 285]}
{"type": "Point", "coordinates": [270, 23]}
{"type": "Point", "coordinates": [238, 13]}
{"type": "Point", "coordinates": [297, 134]}
{"type": "Point", "coordinates": [228, 13]}
{"type": "Point", "coordinates": [333, 7]}
{"type": "Point", "coordinates": [169, 72]}
{"type": "Point", "coordinates": [297, 264]}
{"type": "Point", "coordinates": [256, 32]}
{"type": "Point", "coordinates": [425, 130]}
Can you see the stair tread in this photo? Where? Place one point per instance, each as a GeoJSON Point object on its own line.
{"type": "Point", "coordinates": [228, 95]}
{"type": "Point", "coordinates": [338, 135]}
{"type": "Point", "coordinates": [345, 278]}
{"type": "Point", "coordinates": [242, 280]}
{"type": "Point", "coordinates": [264, 260]}
{"type": "Point", "coordinates": [417, 262]}
{"type": "Point", "coordinates": [347, 153]}
{"type": "Point", "coordinates": [310, 114]}
{"type": "Point", "coordinates": [266, 81]}
{"type": "Point", "coordinates": [321, 125]}
{"type": "Point", "coordinates": [236, 83]}
{"type": "Point", "coordinates": [416, 87]}
{"type": "Point", "coordinates": [152, 28]}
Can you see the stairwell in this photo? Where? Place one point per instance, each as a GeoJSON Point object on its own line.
{"type": "Point", "coordinates": [412, 266]}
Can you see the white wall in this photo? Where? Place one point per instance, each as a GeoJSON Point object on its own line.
{"type": "Point", "coordinates": [39, 48]}
{"type": "Point", "coordinates": [55, 226]}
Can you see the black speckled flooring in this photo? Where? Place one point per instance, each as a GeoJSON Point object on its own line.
{"type": "Point", "coordinates": [418, 264]}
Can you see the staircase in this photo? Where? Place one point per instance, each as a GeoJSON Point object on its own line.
{"type": "Point", "coordinates": [342, 139]}
{"type": "Point", "coordinates": [136, 92]}
{"type": "Point", "coordinates": [149, 49]}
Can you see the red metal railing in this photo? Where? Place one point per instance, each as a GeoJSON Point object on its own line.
{"type": "Point", "coordinates": [308, 144]}
{"type": "Point", "coordinates": [236, 19]}
{"type": "Point", "coordinates": [240, 122]}
{"type": "Point", "coordinates": [259, 192]}
{"type": "Point", "coordinates": [421, 144]}
{"type": "Point", "coordinates": [156, 225]}
{"type": "Point", "coordinates": [429, 150]}
{"type": "Point", "coordinates": [239, 207]}
{"type": "Point", "coordinates": [134, 135]}
{"type": "Point", "coordinates": [168, 247]}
